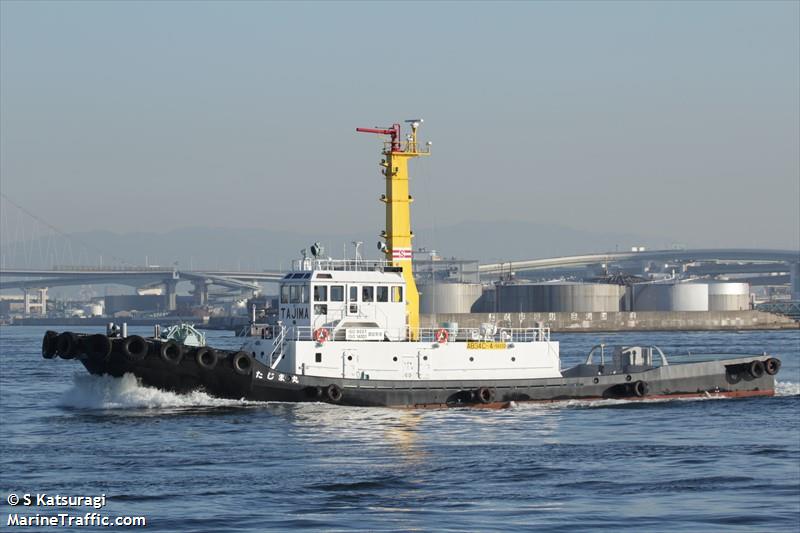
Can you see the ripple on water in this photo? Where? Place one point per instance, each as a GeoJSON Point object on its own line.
{"type": "Point", "coordinates": [197, 463]}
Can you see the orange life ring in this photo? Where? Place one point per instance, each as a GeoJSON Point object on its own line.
{"type": "Point", "coordinates": [321, 335]}
{"type": "Point", "coordinates": [442, 335]}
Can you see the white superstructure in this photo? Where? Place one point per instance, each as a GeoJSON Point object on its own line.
{"type": "Point", "coordinates": [347, 319]}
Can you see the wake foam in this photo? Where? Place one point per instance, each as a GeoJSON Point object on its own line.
{"type": "Point", "coordinates": [106, 392]}
{"type": "Point", "coordinates": [787, 388]}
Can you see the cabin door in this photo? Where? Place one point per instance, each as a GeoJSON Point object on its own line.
{"type": "Point", "coordinates": [409, 366]}
{"type": "Point", "coordinates": [350, 364]}
{"type": "Point", "coordinates": [352, 300]}
{"type": "Point", "coordinates": [424, 363]}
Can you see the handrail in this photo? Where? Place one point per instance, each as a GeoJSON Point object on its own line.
{"type": "Point", "coordinates": [277, 346]}
{"type": "Point", "coordinates": [360, 265]}
{"type": "Point", "coordinates": [306, 333]}
{"type": "Point", "coordinates": [653, 350]}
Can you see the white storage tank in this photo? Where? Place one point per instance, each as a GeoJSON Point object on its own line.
{"type": "Point", "coordinates": [559, 297]}
{"type": "Point", "coordinates": [728, 296]}
{"type": "Point", "coordinates": [443, 297]}
{"type": "Point", "coordinates": [668, 297]}
{"type": "Point", "coordinates": [93, 309]}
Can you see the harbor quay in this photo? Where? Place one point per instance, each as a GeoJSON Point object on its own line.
{"type": "Point", "coordinates": [621, 321]}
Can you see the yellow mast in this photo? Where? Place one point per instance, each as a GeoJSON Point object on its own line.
{"type": "Point", "coordinates": [398, 234]}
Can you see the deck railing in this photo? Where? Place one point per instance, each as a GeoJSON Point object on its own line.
{"type": "Point", "coordinates": [358, 265]}
{"type": "Point", "coordinates": [432, 335]}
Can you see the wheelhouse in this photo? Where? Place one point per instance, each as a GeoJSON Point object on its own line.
{"type": "Point", "coordinates": [349, 300]}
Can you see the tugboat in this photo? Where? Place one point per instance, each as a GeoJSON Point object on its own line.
{"type": "Point", "coordinates": [349, 334]}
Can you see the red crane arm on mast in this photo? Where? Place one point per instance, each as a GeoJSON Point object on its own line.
{"type": "Point", "coordinates": [394, 132]}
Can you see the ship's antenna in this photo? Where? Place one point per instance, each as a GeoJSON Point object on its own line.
{"type": "Point", "coordinates": [357, 246]}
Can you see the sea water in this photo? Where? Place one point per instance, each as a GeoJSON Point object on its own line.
{"type": "Point", "coordinates": [197, 463]}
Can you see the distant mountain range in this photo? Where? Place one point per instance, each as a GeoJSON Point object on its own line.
{"type": "Point", "coordinates": [264, 249]}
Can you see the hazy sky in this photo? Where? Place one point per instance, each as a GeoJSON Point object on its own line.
{"type": "Point", "coordinates": [676, 119]}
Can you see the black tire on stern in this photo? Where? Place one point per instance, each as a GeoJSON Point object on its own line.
{"type": "Point", "coordinates": [49, 344]}
{"type": "Point", "coordinates": [98, 347]}
{"type": "Point", "coordinates": [206, 358]}
{"type": "Point", "coordinates": [734, 376]}
{"type": "Point", "coordinates": [66, 344]}
{"type": "Point", "coordinates": [242, 363]}
{"type": "Point", "coordinates": [772, 365]}
{"type": "Point", "coordinates": [640, 388]}
{"type": "Point", "coordinates": [171, 352]}
{"type": "Point", "coordinates": [756, 369]}
{"type": "Point", "coordinates": [134, 348]}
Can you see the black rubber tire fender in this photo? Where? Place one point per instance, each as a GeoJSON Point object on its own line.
{"type": "Point", "coordinates": [171, 352]}
{"type": "Point", "coordinates": [315, 392]}
{"type": "Point", "coordinates": [485, 395]}
{"type": "Point", "coordinates": [206, 358]}
{"type": "Point", "coordinates": [49, 344]}
{"type": "Point", "coordinates": [98, 347]}
{"type": "Point", "coordinates": [334, 393]}
{"type": "Point", "coordinates": [134, 348]}
{"type": "Point", "coordinates": [242, 363]}
{"type": "Point", "coordinates": [772, 365]}
{"type": "Point", "coordinates": [756, 369]}
{"type": "Point", "coordinates": [66, 345]}
{"type": "Point", "coordinates": [734, 376]}
{"type": "Point", "coordinates": [640, 388]}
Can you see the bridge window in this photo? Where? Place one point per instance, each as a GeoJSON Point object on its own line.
{"type": "Point", "coordinates": [294, 294]}
{"type": "Point", "coordinates": [397, 294]}
{"type": "Point", "coordinates": [320, 293]}
{"type": "Point", "coordinates": [284, 294]}
{"type": "Point", "coordinates": [337, 293]}
{"type": "Point", "coordinates": [383, 294]}
{"type": "Point", "coordinates": [353, 293]}
{"type": "Point", "coordinates": [367, 294]}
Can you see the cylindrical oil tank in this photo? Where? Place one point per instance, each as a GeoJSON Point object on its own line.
{"type": "Point", "coordinates": [93, 309]}
{"type": "Point", "coordinates": [442, 297]}
{"type": "Point", "coordinates": [559, 297]}
{"type": "Point", "coordinates": [668, 297]}
{"type": "Point", "coordinates": [728, 296]}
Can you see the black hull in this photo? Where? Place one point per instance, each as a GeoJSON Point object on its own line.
{"type": "Point", "coordinates": [726, 378]}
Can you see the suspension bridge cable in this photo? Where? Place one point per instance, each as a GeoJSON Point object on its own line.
{"type": "Point", "coordinates": [64, 234]}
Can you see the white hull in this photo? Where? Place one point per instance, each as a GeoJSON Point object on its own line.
{"type": "Point", "coordinates": [413, 360]}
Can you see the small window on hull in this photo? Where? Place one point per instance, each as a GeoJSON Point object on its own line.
{"type": "Point", "coordinates": [318, 357]}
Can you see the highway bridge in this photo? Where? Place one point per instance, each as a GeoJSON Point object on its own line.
{"type": "Point", "coordinates": [734, 255]}
{"type": "Point", "coordinates": [28, 279]}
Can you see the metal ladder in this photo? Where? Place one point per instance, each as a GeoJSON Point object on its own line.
{"type": "Point", "coordinates": [277, 348]}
